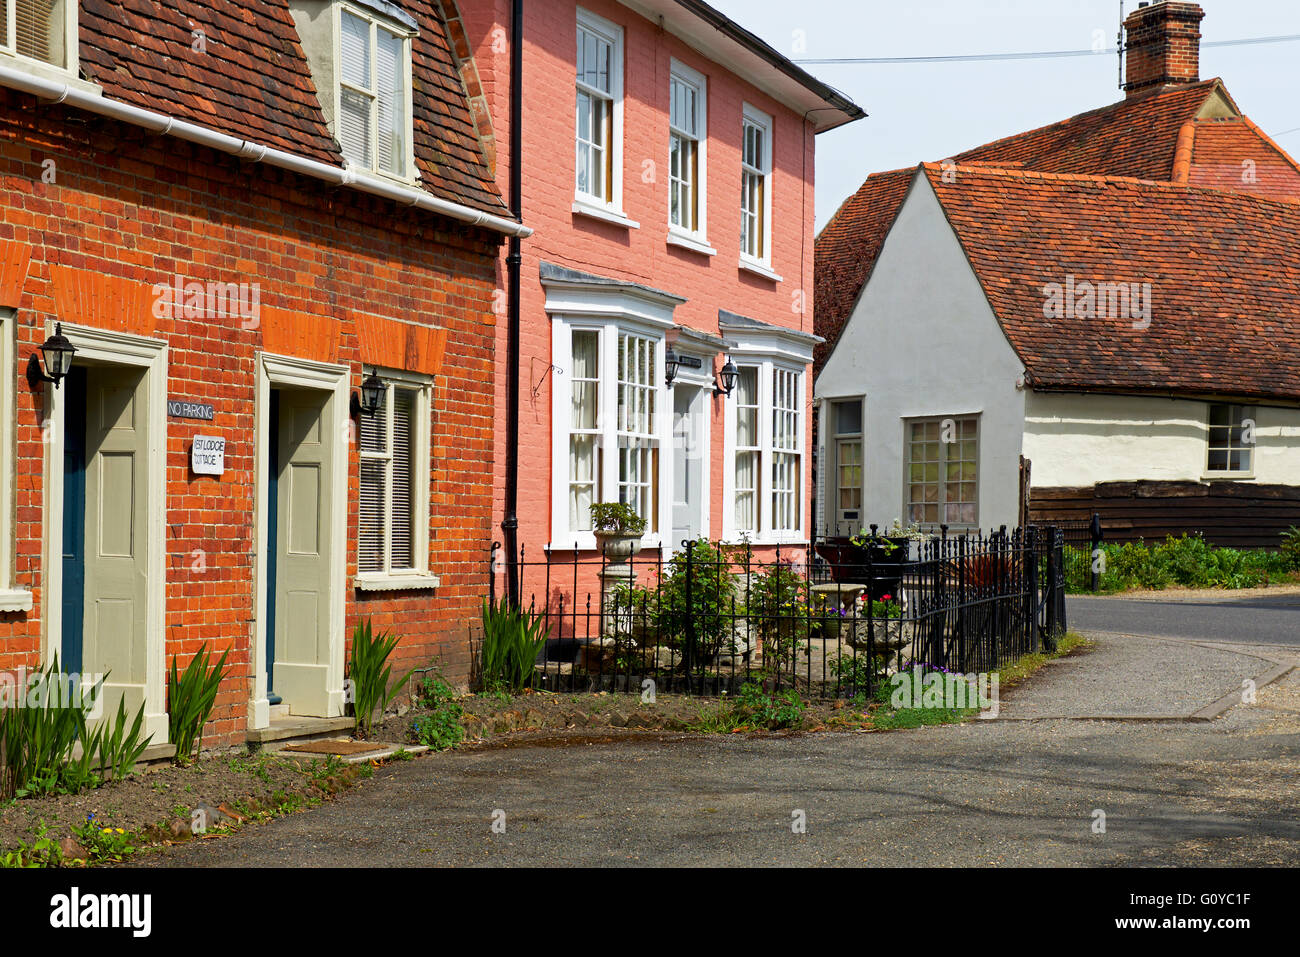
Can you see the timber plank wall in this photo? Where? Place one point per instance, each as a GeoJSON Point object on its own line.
{"type": "Point", "coordinates": [1235, 514]}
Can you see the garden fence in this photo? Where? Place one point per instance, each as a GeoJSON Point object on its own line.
{"type": "Point", "coordinates": [829, 619]}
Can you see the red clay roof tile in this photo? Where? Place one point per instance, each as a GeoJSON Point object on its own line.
{"type": "Point", "coordinates": [249, 78]}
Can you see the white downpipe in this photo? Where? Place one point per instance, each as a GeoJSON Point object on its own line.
{"type": "Point", "coordinates": [246, 149]}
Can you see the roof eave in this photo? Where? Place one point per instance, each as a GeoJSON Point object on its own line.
{"type": "Point", "coordinates": [727, 43]}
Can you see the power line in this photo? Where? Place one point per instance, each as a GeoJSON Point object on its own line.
{"type": "Point", "coordinates": [1035, 55]}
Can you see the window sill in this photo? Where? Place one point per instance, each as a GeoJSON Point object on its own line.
{"type": "Point", "coordinates": [15, 599]}
{"type": "Point", "coordinates": [48, 71]}
{"type": "Point", "coordinates": [604, 214]}
{"type": "Point", "coordinates": [1228, 477]}
{"type": "Point", "coordinates": [758, 269]}
{"type": "Point", "coordinates": [383, 176]}
{"type": "Point", "coordinates": [413, 581]}
{"type": "Point", "coordinates": [587, 543]}
{"type": "Point", "coordinates": [691, 243]}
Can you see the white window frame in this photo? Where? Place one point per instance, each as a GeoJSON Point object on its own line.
{"type": "Point", "coordinates": [609, 330]}
{"type": "Point", "coordinates": [942, 503]}
{"type": "Point", "coordinates": [391, 579]}
{"type": "Point", "coordinates": [695, 239]}
{"type": "Point", "coordinates": [606, 208]}
{"type": "Point", "coordinates": [69, 71]}
{"type": "Point", "coordinates": [12, 598]}
{"type": "Point", "coordinates": [1248, 413]}
{"type": "Point", "coordinates": [835, 439]}
{"type": "Point", "coordinates": [409, 173]}
{"type": "Point", "coordinates": [752, 116]}
{"type": "Point", "coordinates": [766, 534]}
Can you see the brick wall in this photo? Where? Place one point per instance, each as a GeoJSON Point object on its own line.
{"type": "Point", "coordinates": [639, 255]}
{"type": "Point", "coordinates": [142, 209]}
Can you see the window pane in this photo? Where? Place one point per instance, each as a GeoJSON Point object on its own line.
{"type": "Point", "coordinates": [38, 29]}
{"type": "Point", "coordinates": [390, 80]}
{"type": "Point", "coordinates": [402, 519]}
{"type": "Point", "coordinates": [372, 509]}
{"type": "Point", "coordinates": [848, 417]}
{"type": "Point", "coordinates": [354, 127]}
{"type": "Point", "coordinates": [374, 431]}
{"type": "Point", "coordinates": [354, 50]}
{"type": "Point", "coordinates": [582, 480]}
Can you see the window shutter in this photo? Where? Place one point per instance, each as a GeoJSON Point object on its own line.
{"type": "Point", "coordinates": [354, 106]}
{"type": "Point", "coordinates": [390, 82]}
{"type": "Point", "coordinates": [403, 520]}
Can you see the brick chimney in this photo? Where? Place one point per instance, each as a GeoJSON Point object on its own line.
{"type": "Point", "coordinates": [1163, 42]}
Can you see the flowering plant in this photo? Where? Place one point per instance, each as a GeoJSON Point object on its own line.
{"type": "Point", "coordinates": [885, 607]}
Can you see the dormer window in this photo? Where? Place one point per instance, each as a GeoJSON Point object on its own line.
{"type": "Point", "coordinates": [373, 93]}
{"type": "Point", "coordinates": [39, 30]}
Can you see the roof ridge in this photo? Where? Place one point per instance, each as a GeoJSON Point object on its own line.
{"type": "Point", "coordinates": [1116, 180]}
{"type": "Point", "coordinates": [1155, 93]}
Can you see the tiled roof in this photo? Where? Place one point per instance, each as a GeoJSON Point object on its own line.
{"type": "Point", "coordinates": [1135, 137]}
{"type": "Point", "coordinates": [248, 77]}
{"type": "Point", "coordinates": [1224, 280]}
{"type": "Point", "coordinates": [1236, 154]}
{"type": "Point", "coordinates": [1153, 136]}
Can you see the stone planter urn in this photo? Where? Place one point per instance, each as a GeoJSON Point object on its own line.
{"type": "Point", "coordinates": [616, 575]}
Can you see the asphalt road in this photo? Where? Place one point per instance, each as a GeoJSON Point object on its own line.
{"type": "Point", "coordinates": [987, 793]}
{"type": "Point", "coordinates": [1263, 620]}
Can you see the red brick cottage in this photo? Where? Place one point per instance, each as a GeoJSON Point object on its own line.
{"type": "Point", "coordinates": [236, 212]}
{"type": "Point", "coordinates": [668, 160]}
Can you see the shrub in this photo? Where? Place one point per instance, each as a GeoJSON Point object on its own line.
{"type": "Point", "coordinates": [1291, 548]}
{"type": "Point", "coordinates": [371, 674]}
{"type": "Point", "coordinates": [858, 674]}
{"type": "Point", "coordinates": [616, 518]}
{"type": "Point", "coordinates": [710, 601]}
{"type": "Point", "coordinates": [512, 639]}
{"type": "Point", "coordinates": [190, 698]}
{"type": "Point", "coordinates": [778, 601]}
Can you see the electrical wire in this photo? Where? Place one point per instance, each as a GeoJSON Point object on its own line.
{"type": "Point", "coordinates": [1034, 55]}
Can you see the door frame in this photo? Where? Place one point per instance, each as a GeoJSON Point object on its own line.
{"type": "Point", "coordinates": [293, 373]}
{"type": "Point", "coordinates": [702, 414]}
{"type": "Point", "coordinates": [121, 349]}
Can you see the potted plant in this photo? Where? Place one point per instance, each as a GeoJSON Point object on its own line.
{"type": "Point", "coordinates": [618, 530]}
{"type": "Point", "coordinates": [871, 558]}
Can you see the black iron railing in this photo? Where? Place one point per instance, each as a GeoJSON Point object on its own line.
{"type": "Point", "coordinates": [828, 619]}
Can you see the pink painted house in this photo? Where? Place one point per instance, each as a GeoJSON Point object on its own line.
{"type": "Point", "coordinates": [667, 173]}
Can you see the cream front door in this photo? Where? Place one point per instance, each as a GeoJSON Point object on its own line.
{"type": "Point", "coordinates": [303, 540]}
{"type": "Point", "coordinates": [116, 534]}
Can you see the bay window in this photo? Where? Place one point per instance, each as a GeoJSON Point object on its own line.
{"type": "Point", "coordinates": [611, 424]}
{"type": "Point", "coordinates": [765, 434]}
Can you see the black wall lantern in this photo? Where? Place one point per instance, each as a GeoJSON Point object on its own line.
{"type": "Point", "coordinates": [373, 390]}
{"type": "Point", "coordinates": [726, 379]}
{"type": "Point", "coordinates": [672, 363]}
{"type": "Point", "coordinates": [56, 353]}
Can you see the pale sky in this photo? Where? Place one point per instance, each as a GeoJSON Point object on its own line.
{"type": "Point", "coordinates": [929, 111]}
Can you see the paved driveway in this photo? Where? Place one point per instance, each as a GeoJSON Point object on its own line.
{"type": "Point", "coordinates": [1269, 619]}
{"type": "Point", "coordinates": [1001, 792]}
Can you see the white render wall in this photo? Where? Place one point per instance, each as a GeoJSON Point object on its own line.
{"type": "Point", "coordinates": [1079, 440]}
{"type": "Point", "coordinates": [923, 341]}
